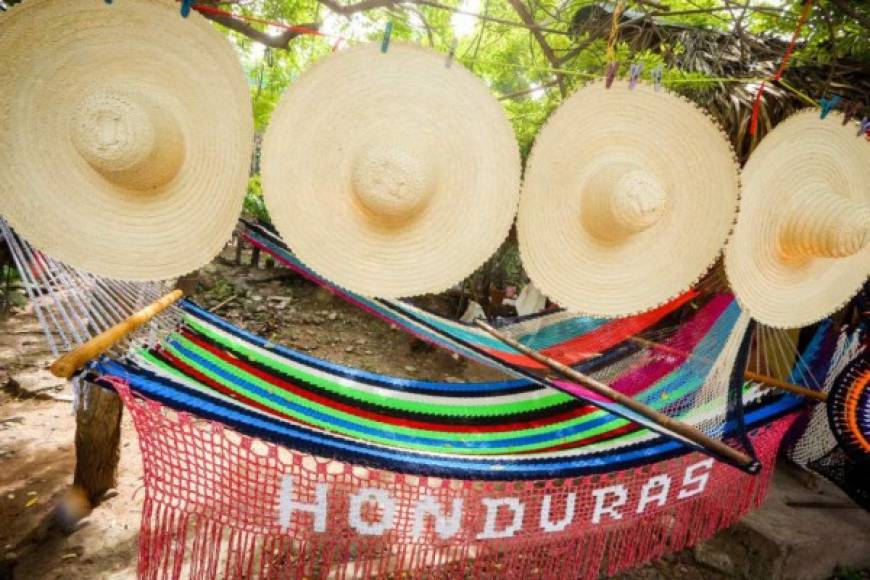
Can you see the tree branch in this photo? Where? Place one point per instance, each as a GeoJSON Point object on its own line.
{"type": "Point", "coordinates": [347, 10]}
{"type": "Point", "coordinates": [529, 21]}
{"type": "Point", "coordinates": [850, 10]}
{"type": "Point", "coordinates": [281, 40]}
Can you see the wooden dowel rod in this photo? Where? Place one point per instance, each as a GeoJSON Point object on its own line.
{"type": "Point", "coordinates": [820, 396]}
{"type": "Point", "coordinates": [683, 429]}
{"type": "Point", "coordinates": [763, 379]}
{"type": "Point", "coordinates": [67, 365]}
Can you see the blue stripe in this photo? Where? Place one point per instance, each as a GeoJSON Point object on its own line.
{"type": "Point", "coordinates": [343, 371]}
{"type": "Point", "coordinates": [310, 441]}
{"type": "Point", "coordinates": [552, 438]}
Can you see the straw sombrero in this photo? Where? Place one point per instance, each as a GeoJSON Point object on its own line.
{"type": "Point", "coordinates": [628, 198]}
{"type": "Point", "coordinates": [800, 248]}
{"type": "Point", "coordinates": [391, 174]}
{"type": "Point", "coordinates": [125, 135]}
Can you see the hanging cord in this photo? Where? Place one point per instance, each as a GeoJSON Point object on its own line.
{"type": "Point", "coordinates": [611, 51]}
{"type": "Point", "coordinates": [756, 107]}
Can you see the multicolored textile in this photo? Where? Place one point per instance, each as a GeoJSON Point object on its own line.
{"type": "Point", "coordinates": [514, 430]}
{"type": "Point", "coordinates": [849, 410]}
{"type": "Point", "coordinates": [275, 464]}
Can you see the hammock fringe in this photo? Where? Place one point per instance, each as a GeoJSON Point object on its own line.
{"type": "Point", "coordinates": [212, 510]}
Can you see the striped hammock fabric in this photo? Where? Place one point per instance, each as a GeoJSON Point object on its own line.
{"type": "Point", "coordinates": [263, 462]}
{"type": "Point", "coordinates": [513, 430]}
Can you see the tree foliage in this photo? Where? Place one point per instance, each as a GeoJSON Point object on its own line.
{"type": "Point", "coordinates": [534, 52]}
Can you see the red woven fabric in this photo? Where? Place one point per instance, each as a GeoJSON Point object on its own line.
{"type": "Point", "coordinates": [220, 504]}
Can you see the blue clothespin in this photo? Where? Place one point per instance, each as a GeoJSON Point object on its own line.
{"type": "Point", "coordinates": [635, 71]}
{"type": "Point", "coordinates": [185, 8]}
{"type": "Point", "coordinates": [452, 54]}
{"type": "Point", "coordinates": [108, 1]}
{"type": "Point", "coordinates": [385, 42]}
{"type": "Point", "coordinates": [828, 104]}
{"type": "Point", "coordinates": [611, 73]}
{"type": "Point", "coordinates": [657, 77]}
{"type": "Point", "coordinates": [864, 128]}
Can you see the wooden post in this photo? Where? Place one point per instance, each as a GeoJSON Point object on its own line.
{"type": "Point", "coordinates": [685, 430]}
{"type": "Point", "coordinates": [97, 443]}
{"type": "Point", "coordinates": [238, 257]}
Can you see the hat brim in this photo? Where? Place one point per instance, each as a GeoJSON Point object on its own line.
{"type": "Point", "coordinates": [56, 53]}
{"type": "Point", "coordinates": [443, 117]}
{"type": "Point", "coordinates": [801, 154]}
{"type": "Point", "coordinates": [667, 137]}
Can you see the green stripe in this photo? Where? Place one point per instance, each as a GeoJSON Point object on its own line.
{"type": "Point", "coordinates": [461, 409]}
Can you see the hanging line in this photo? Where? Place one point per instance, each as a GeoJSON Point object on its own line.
{"type": "Point", "coordinates": [205, 9]}
{"type": "Point", "coordinates": [592, 76]}
{"type": "Point", "coordinates": [756, 107]}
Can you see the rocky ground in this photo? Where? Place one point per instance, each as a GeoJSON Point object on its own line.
{"type": "Point", "coordinates": [37, 426]}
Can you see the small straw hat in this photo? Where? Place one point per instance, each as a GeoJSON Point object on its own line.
{"type": "Point", "coordinates": [801, 247]}
{"type": "Point", "coordinates": [628, 198]}
{"type": "Point", "coordinates": [391, 173]}
{"type": "Point", "coordinates": [125, 135]}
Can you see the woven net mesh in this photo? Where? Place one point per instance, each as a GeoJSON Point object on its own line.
{"type": "Point", "coordinates": [227, 505]}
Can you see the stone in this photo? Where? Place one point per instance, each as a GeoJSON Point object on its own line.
{"type": "Point", "coordinates": [411, 369]}
{"type": "Point", "coordinates": [333, 315]}
{"type": "Point", "coordinates": [706, 553]}
{"type": "Point", "coordinates": [34, 383]}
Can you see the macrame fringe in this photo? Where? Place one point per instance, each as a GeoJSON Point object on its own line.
{"type": "Point", "coordinates": [211, 511]}
{"type": "Point", "coordinates": [172, 540]}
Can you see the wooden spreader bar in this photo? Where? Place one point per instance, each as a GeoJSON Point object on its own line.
{"type": "Point", "coordinates": [70, 363]}
{"type": "Point", "coordinates": [683, 429]}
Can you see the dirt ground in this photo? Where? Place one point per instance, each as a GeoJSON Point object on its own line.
{"type": "Point", "coordinates": [37, 425]}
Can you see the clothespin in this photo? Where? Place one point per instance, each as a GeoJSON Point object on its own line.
{"type": "Point", "coordinates": [385, 42]}
{"type": "Point", "coordinates": [452, 53]}
{"type": "Point", "coordinates": [185, 8]}
{"type": "Point", "coordinates": [850, 109]}
{"type": "Point", "coordinates": [635, 71]}
{"type": "Point", "coordinates": [864, 128]}
{"type": "Point", "coordinates": [657, 77]}
{"type": "Point", "coordinates": [611, 73]}
{"type": "Point", "coordinates": [828, 104]}
{"type": "Point", "coordinates": [108, 1]}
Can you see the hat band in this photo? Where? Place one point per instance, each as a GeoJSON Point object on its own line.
{"type": "Point", "coordinates": [130, 140]}
{"type": "Point", "coordinates": [821, 224]}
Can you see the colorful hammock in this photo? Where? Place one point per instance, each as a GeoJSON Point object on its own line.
{"type": "Point", "coordinates": [354, 474]}
{"type": "Point", "coordinates": [265, 462]}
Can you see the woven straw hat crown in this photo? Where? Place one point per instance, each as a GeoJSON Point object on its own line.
{"type": "Point", "coordinates": [125, 135]}
{"type": "Point", "coordinates": [391, 174]}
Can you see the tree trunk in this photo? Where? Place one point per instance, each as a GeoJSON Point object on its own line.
{"type": "Point", "coordinates": [97, 441]}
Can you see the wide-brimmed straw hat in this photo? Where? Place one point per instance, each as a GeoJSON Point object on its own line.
{"type": "Point", "coordinates": [629, 196]}
{"type": "Point", "coordinates": [391, 173]}
{"type": "Point", "coordinates": [125, 134]}
{"type": "Point", "coordinates": [801, 247]}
